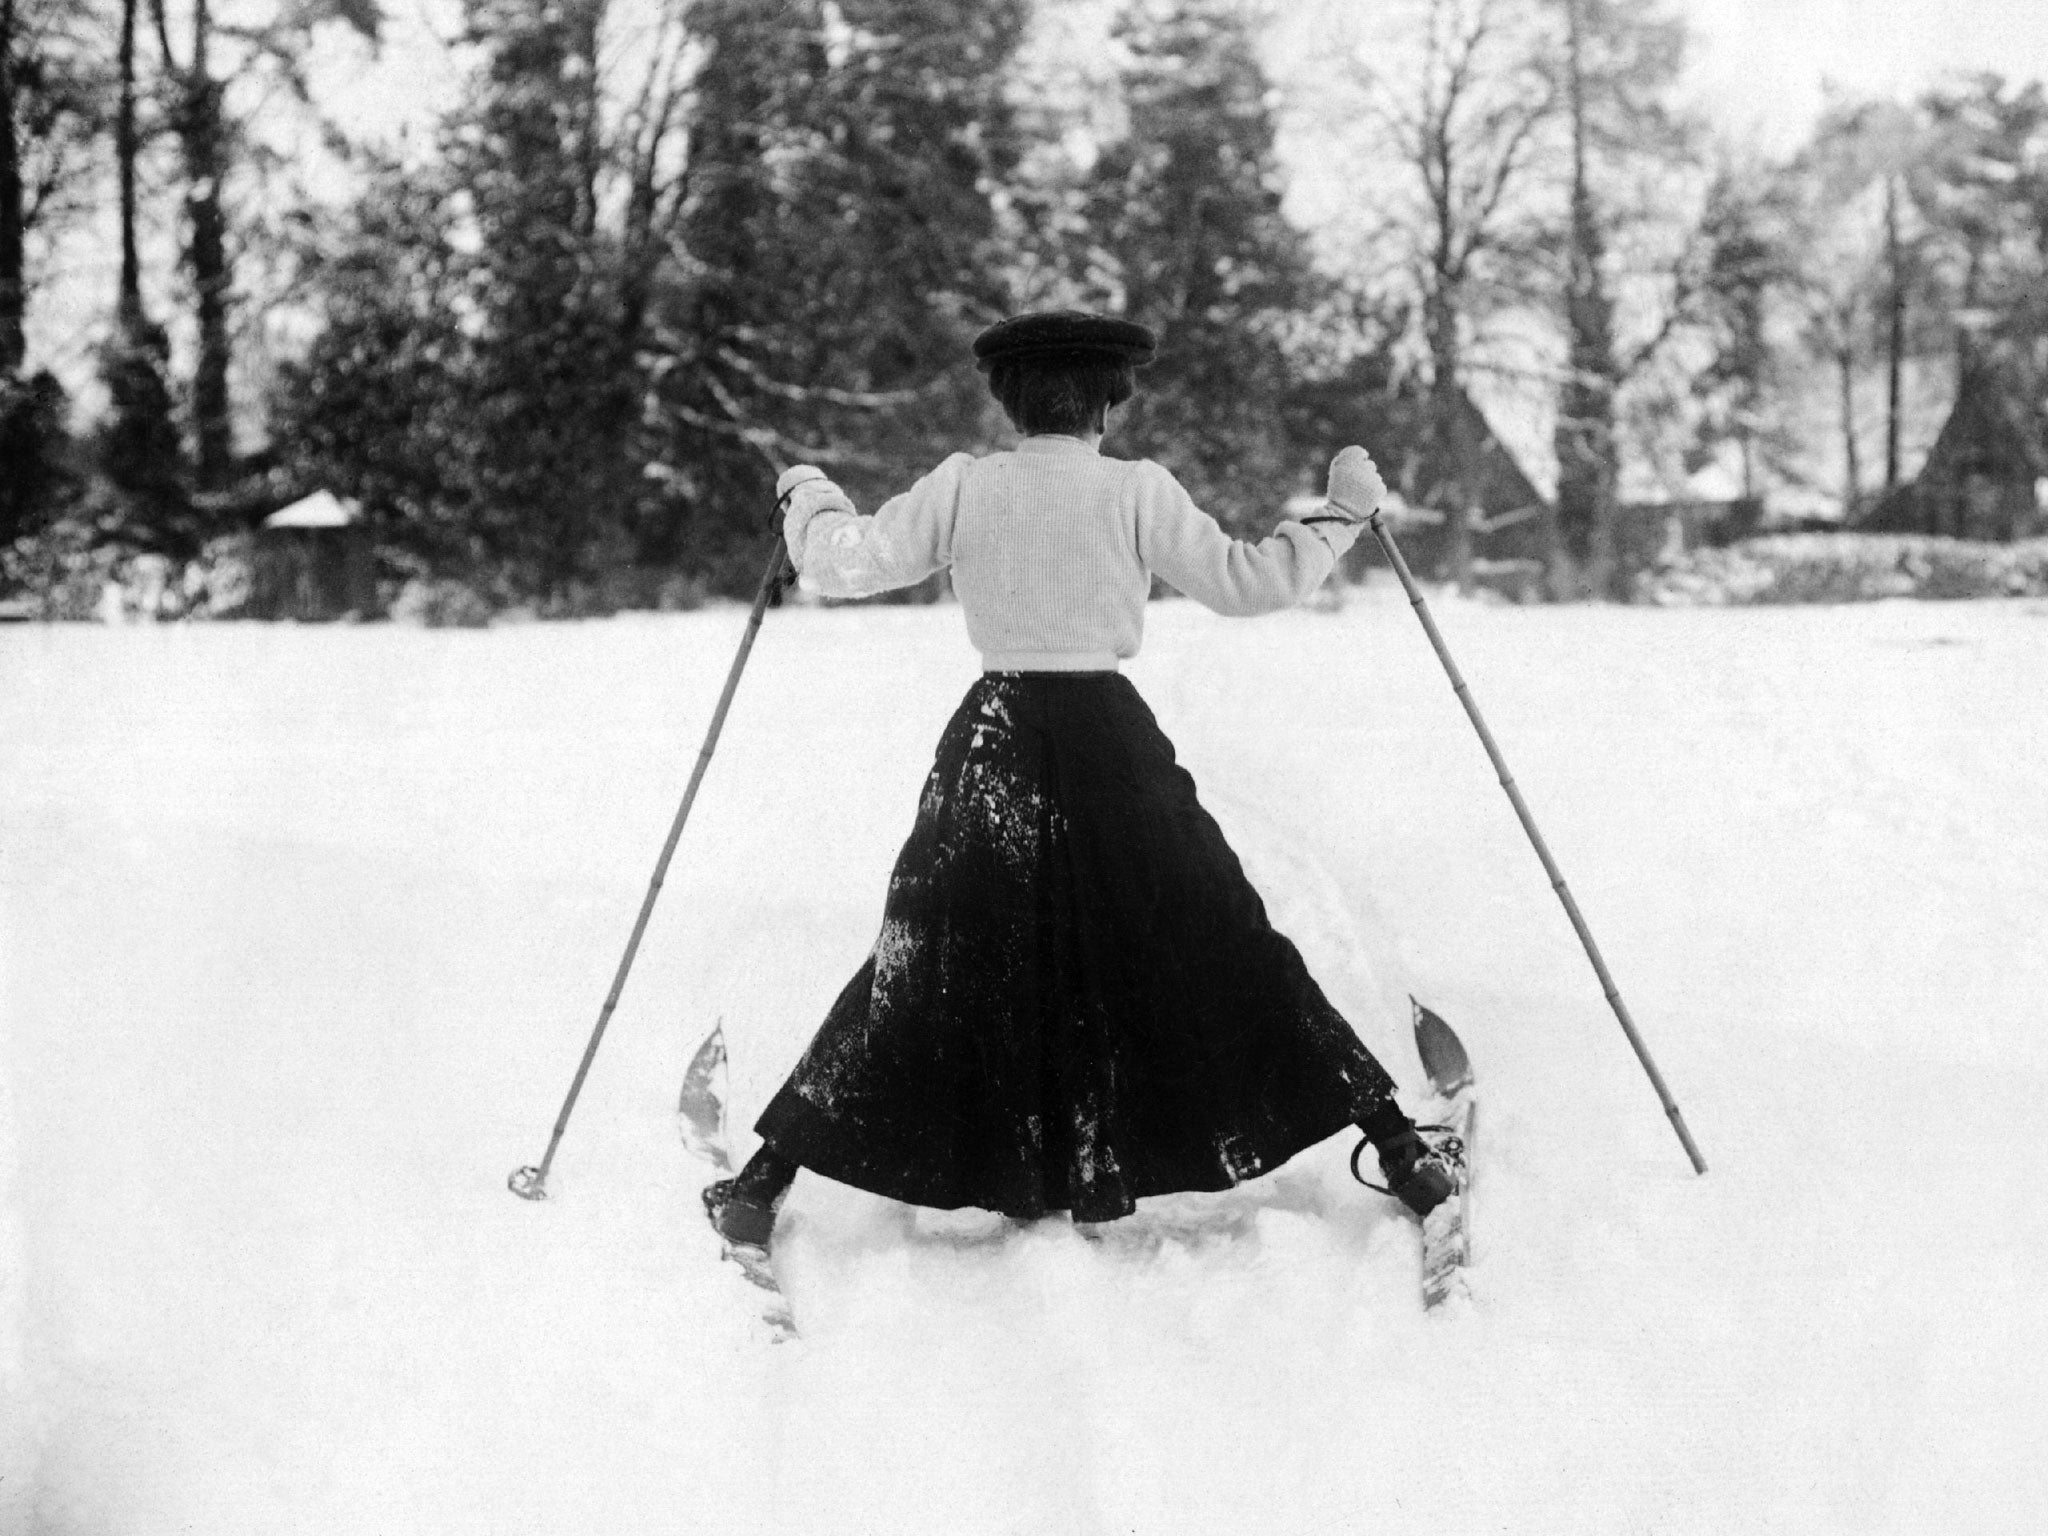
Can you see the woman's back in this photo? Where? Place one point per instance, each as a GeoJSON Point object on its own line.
{"type": "Point", "coordinates": [1053, 548]}
{"type": "Point", "coordinates": [1045, 557]}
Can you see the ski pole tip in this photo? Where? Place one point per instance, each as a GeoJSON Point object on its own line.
{"type": "Point", "coordinates": [528, 1183]}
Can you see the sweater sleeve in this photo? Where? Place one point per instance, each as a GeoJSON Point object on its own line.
{"type": "Point", "coordinates": [839, 553]}
{"type": "Point", "coordinates": [1186, 547]}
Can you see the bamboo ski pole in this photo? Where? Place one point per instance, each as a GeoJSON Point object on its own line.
{"type": "Point", "coordinates": [530, 1182]}
{"type": "Point", "coordinates": [1507, 782]}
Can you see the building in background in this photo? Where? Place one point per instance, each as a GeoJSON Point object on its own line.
{"type": "Point", "coordinates": [1985, 476]}
{"type": "Point", "coordinates": [313, 561]}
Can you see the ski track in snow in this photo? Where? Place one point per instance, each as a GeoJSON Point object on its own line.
{"type": "Point", "coordinates": [304, 930]}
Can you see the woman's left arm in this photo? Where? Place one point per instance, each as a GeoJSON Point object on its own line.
{"type": "Point", "coordinates": [839, 553]}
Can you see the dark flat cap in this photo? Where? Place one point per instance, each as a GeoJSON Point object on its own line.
{"type": "Point", "coordinates": [1064, 330]}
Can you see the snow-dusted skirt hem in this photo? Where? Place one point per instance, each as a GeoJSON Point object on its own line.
{"type": "Point", "coordinates": [1076, 999]}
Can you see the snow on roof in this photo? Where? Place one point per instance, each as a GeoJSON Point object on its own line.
{"type": "Point", "coordinates": [322, 509]}
{"type": "Point", "coordinates": [1719, 479]}
{"type": "Point", "coordinates": [1789, 500]}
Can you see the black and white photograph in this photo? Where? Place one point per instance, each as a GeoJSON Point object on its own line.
{"type": "Point", "coordinates": [1023, 767]}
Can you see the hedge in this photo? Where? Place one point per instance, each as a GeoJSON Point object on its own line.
{"type": "Point", "coordinates": [1846, 568]}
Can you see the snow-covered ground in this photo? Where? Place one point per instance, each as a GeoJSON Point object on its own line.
{"type": "Point", "coordinates": [304, 930]}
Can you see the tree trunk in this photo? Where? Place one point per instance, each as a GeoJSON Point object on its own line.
{"type": "Point", "coordinates": [1852, 467]}
{"type": "Point", "coordinates": [1454, 452]}
{"type": "Point", "coordinates": [139, 450]}
{"type": "Point", "coordinates": [647, 200]}
{"type": "Point", "coordinates": [1966, 344]}
{"type": "Point", "coordinates": [212, 420]}
{"type": "Point", "coordinates": [13, 286]}
{"type": "Point", "coordinates": [1895, 340]}
{"type": "Point", "coordinates": [203, 136]}
{"type": "Point", "coordinates": [587, 146]}
{"type": "Point", "coordinates": [1583, 563]}
{"type": "Point", "coordinates": [211, 278]}
{"type": "Point", "coordinates": [1448, 490]}
{"type": "Point", "coordinates": [128, 307]}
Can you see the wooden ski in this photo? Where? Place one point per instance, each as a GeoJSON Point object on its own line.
{"type": "Point", "coordinates": [701, 1113]}
{"type": "Point", "coordinates": [1447, 1230]}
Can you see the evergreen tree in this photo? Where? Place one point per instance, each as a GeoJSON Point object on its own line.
{"type": "Point", "coordinates": [842, 249]}
{"type": "Point", "coordinates": [1184, 226]}
{"type": "Point", "coordinates": [480, 378]}
{"type": "Point", "coordinates": [550, 371]}
{"type": "Point", "coordinates": [1616, 62]}
{"type": "Point", "coordinates": [1749, 262]}
{"type": "Point", "coordinates": [32, 452]}
{"type": "Point", "coordinates": [1983, 192]}
{"type": "Point", "coordinates": [379, 409]}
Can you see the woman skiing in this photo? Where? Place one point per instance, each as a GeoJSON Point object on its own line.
{"type": "Point", "coordinates": [1076, 999]}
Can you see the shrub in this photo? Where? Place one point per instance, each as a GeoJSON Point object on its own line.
{"type": "Point", "coordinates": [62, 569]}
{"type": "Point", "coordinates": [220, 583]}
{"type": "Point", "coordinates": [439, 603]}
{"type": "Point", "coordinates": [1846, 568]}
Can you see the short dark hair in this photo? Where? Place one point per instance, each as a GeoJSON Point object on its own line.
{"type": "Point", "coordinates": [1064, 392]}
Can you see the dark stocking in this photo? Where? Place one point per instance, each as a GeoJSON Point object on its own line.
{"type": "Point", "coordinates": [1383, 1122]}
{"type": "Point", "coordinates": [767, 1174]}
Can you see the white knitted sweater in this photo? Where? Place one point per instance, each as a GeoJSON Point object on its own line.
{"type": "Point", "coordinates": [1053, 548]}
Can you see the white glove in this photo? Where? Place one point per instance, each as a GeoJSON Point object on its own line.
{"type": "Point", "coordinates": [802, 491]}
{"type": "Point", "coordinates": [795, 476]}
{"type": "Point", "coordinates": [1356, 489]}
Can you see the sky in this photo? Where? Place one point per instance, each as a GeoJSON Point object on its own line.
{"type": "Point", "coordinates": [1763, 66]}
{"type": "Point", "coordinates": [1760, 67]}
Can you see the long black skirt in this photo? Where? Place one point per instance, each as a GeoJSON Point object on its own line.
{"type": "Point", "coordinates": [1076, 999]}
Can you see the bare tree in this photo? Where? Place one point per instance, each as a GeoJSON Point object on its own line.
{"type": "Point", "coordinates": [50, 108]}
{"type": "Point", "coordinates": [215, 55]}
{"type": "Point", "coordinates": [1465, 115]}
{"type": "Point", "coordinates": [650, 146]}
{"type": "Point", "coordinates": [1864, 178]}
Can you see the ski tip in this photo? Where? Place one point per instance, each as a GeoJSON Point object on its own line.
{"type": "Point", "coordinates": [1444, 1060]}
{"type": "Point", "coordinates": [701, 1105]}
{"type": "Point", "coordinates": [704, 1069]}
